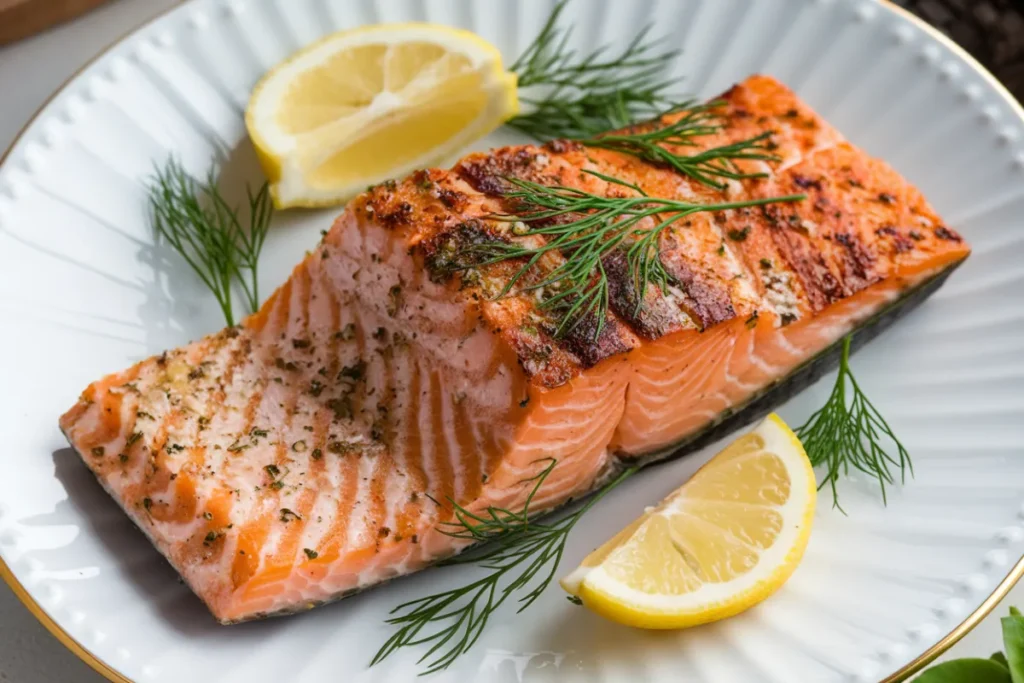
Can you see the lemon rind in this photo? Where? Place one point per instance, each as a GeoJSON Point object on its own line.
{"type": "Point", "coordinates": [711, 602]}
{"type": "Point", "coordinates": [275, 149]}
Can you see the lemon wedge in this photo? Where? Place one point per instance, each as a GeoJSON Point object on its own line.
{"type": "Point", "coordinates": [720, 544]}
{"type": "Point", "coordinates": [368, 104]}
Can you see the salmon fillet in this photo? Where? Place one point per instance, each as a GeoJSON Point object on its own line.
{"type": "Point", "coordinates": [311, 451]}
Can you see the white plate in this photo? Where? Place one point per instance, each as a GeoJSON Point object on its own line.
{"type": "Point", "coordinates": [84, 292]}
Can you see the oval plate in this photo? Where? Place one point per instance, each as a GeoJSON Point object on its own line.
{"type": "Point", "coordinates": [84, 291]}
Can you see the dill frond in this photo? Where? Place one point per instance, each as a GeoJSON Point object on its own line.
{"type": "Point", "coordinates": [705, 167]}
{"type": "Point", "coordinates": [570, 95]}
{"type": "Point", "coordinates": [578, 287]}
{"type": "Point", "coordinates": [520, 558]}
{"type": "Point", "coordinates": [195, 219]}
{"type": "Point", "coordinates": [848, 432]}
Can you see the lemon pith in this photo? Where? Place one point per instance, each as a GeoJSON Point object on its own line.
{"type": "Point", "coordinates": [365, 105]}
{"type": "Point", "coordinates": [723, 542]}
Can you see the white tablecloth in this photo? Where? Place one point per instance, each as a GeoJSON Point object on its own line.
{"type": "Point", "coordinates": [29, 72]}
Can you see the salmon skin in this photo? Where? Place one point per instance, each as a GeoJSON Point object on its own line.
{"type": "Point", "coordinates": [296, 458]}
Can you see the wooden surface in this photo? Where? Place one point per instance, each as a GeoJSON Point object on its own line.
{"type": "Point", "coordinates": [22, 18]}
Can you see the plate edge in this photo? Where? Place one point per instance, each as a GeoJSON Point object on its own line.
{"type": "Point", "coordinates": [1017, 571]}
{"type": "Point", "coordinates": [76, 648]}
{"type": "Point", "coordinates": [34, 608]}
{"type": "Point", "coordinates": [949, 640]}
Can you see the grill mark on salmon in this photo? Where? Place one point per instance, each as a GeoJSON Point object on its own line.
{"type": "Point", "coordinates": [656, 317]}
{"type": "Point", "coordinates": [405, 380]}
{"type": "Point", "coordinates": [702, 298]}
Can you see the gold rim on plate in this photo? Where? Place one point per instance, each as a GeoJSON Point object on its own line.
{"type": "Point", "coordinates": [904, 672]}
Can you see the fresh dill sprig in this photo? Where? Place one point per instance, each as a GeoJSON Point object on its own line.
{"type": "Point", "coordinates": [582, 95]}
{"type": "Point", "coordinates": [585, 228]}
{"type": "Point", "coordinates": [521, 557]}
{"type": "Point", "coordinates": [196, 220]}
{"type": "Point", "coordinates": [696, 121]}
{"type": "Point", "coordinates": [849, 432]}
{"type": "Point", "coordinates": [248, 243]}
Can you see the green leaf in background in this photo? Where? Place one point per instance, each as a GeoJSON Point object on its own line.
{"type": "Point", "coordinates": [1001, 658]}
{"type": "Point", "coordinates": [968, 670]}
{"type": "Point", "coordinates": [1013, 643]}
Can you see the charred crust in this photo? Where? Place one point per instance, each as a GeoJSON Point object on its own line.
{"type": "Point", "coordinates": [562, 146]}
{"type": "Point", "coordinates": [449, 252]}
{"type": "Point", "coordinates": [900, 243]}
{"type": "Point", "coordinates": [800, 255]}
{"type": "Point", "coordinates": [944, 233]}
{"type": "Point", "coordinates": [487, 173]}
{"type": "Point", "coordinates": [858, 262]}
{"type": "Point", "coordinates": [804, 183]}
{"type": "Point", "coordinates": [452, 199]}
{"type": "Point", "coordinates": [400, 215]}
{"type": "Point", "coordinates": [705, 300]}
{"type": "Point", "coordinates": [652, 318]}
{"type": "Point", "coordinates": [591, 346]}
{"type": "Point", "coordinates": [822, 287]}
{"type": "Point", "coordinates": [384, 203]}
{"type": "Point", "coordinates": [541, 358]}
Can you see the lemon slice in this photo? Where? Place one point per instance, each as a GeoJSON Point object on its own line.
{"type": "Point", "coordinates": [723, 542]}
{"type": "Point", "coordinates": [372, 103]}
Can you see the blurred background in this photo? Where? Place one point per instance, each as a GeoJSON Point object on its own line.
{"type": "Point", "coordinates": [991, 30]}
{"type": "Point", "coordinates": [43, 42]}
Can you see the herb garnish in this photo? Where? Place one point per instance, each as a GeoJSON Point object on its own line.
{"type": "Point", "coordinates": [578, 286]}
{"type": "Point", "coordinates": [1004, 666]}
{"type": "Point", "coordinates": [842, 435]}
{"type": "Point", "coordinates": [521, 557]}
{"type": "Point", "coordinates": [354, 372]}
{"type": "Point", "coordinates": [197, 221]}
{"type": "Point", "coordinates": [583, 95]}
{"type": "Point", "coordinates": [739, 235]}
{"type": "Point", "coordinates": [697, 120]}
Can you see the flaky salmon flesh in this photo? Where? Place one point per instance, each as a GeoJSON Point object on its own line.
{"type": "Point", "coordinates": [313, 450]}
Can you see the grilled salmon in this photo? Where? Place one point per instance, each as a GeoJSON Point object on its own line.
{"type": "Point", "coordinates": [313, 450]}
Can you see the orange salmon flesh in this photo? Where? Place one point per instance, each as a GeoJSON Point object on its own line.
{"type": "Point", "coordinates": [295, 458]}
